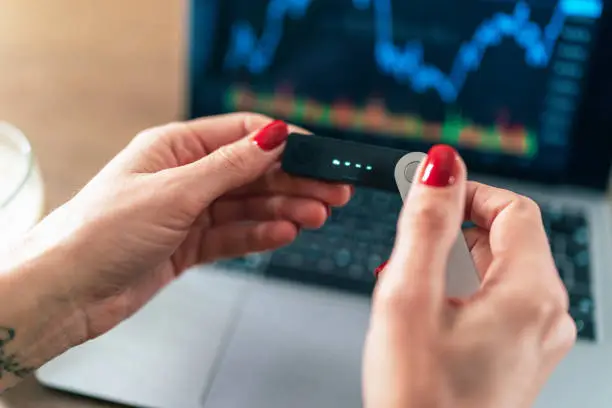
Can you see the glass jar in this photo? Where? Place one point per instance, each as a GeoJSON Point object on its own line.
{"type": "Point", "coordinates": [21, 185]}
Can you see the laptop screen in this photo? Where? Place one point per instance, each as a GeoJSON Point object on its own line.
{"type": "Point", "coordinates": [518, 87]}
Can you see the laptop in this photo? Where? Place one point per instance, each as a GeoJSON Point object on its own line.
{"type": "Point", "coordinates": [522, 89]}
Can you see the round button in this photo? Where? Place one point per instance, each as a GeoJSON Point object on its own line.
{"type": "Point", "coordinates": [343, 258]}
{"type": "Point", "coordinates": [410, 170]}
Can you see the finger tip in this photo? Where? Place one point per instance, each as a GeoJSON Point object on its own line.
{"type": "Point", "coordinates": [349, 193]}
{"type": "Point", "coordinates": [380, 268]}
{"type": "Point", "coordinates": [342, 196]}
{"type": "Point", "coordinates": [284, 232]}
{"type": "Point", "coordinates": [319, 217]}
{"type": "Point", "coordinates": [314, 215]}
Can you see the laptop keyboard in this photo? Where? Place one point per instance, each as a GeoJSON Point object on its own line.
{"type": "Point", "coordinates": [359, 237]}
{"type": "Point", "coordinates": [568, 234]}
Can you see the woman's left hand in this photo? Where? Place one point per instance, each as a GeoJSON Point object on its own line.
{"type": "Point", "coordinates": [178, 195]}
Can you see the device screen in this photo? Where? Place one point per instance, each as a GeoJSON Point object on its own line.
{"type": "Point", "coordinates": [501, 80]}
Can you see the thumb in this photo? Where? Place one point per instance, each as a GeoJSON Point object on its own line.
{"type": "Point", "coordinates": [428, 227]}
{"type": "Point", "coordinates": [236, 164]}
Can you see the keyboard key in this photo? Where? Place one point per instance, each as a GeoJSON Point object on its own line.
{"type": "Point", "coordinates": [582, 259]}
{"type": "Point", "coordinates": [581, 236]}
{"type": "Point", "coordinates": [565, 267]}
{"type": "Point", "coordinates": [295, 259]}
{"type": "Point", "coordinates": [326, 265]}
{"type": "Point", "coordinates": [374, 262]}
{"type": "Point", "coordinates": [586, 329]}
{"type": "Point", "coordinates": [343, 258]}
{"type": "Point", "coordinates": [357, 271]}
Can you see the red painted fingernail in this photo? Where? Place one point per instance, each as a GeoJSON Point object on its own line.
{"type": "Point", "coordinates": [455, 302]}
{"type": "Point", "coordinates": [272, 136]}
{"type": "Point", "coordinates": [439, 167]}
{"type": "Point", "coordinates": [329, 210]}
{"type": "Point", "coordinates": [380, 268]}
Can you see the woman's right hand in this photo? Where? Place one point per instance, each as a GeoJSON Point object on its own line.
{"type": "Point", "coordinates": [496, 349]}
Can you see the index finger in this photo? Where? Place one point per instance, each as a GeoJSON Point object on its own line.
{"type": "Point", "coordinates": [514, 222]}
{"type": "Point", "coordinates": [216, 131]}
{"type": "Point", "coordinates": [523, 263]}
{"type": "Point", "coordinates": [511, 218]}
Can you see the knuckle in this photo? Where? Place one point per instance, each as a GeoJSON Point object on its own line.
{"type": "Point", "coordinates": [170, 126]}
{"type": "Point", "coordinates": [232, 159]}
{"type": "Point", "coordinates": [250, 117]}
{"type": "Point", "coordinates": [395, 299]}
{"type": "Point", "coordinates": [252, 121]}
{"type": "Point", "coordinates": [149, 134]}
{"type": "Point", "coordinates": [428, 218]}
{"type": "Point", "coordinates": [537, 308]}
{"type": "Point", "coordinates": [165, 128]}
{"type": "Point", "coordinates": [558, 337]}
{"type": "Point", "coordinates": [277, 205]}
{"type": "Point", "coordinates": [544, 309]}
{"type": "Point", "coordinates": [569, 333]}
{"type": "Point", "coordinates": [156, 132]}
{"type": "Point", "coordinates": [527, 206]}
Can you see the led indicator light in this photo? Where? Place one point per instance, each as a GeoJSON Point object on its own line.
{"type": "Point", "coordinates": [337, 162]}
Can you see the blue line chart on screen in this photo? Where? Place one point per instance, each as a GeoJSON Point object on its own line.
{"type": "Point", "coordinates": [405, 63]}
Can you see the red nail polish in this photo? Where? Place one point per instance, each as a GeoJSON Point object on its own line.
{"type": "Point", "coordinates": [380, 268]}
{"type": "Point", "coordinates": [439, 167]}
{"type": "Point", "coordinates": [455, 302]}
{"type": "Point", "coordinates": [329, 210]}
{"type": "Point", "coordinates": [272, 136]}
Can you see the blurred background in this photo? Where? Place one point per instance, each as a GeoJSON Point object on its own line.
{"type": "Point", "coordinates": [80, 78]}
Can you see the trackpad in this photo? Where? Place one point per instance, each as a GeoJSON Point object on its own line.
{"type": "Point", "coordinates": [293, 346]}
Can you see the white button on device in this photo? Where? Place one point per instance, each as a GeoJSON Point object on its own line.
{"type": "Point", "coordinates": [410, 170]}
{"type": "Point", "coordinates": [405, 171]}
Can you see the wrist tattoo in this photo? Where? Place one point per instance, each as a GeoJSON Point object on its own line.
{"type": "Point", "coordinates": [9, 362]}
